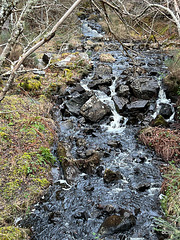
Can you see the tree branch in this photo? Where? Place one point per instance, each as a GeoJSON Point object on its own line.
{"type": "Point", "coordinates": [47, 38]}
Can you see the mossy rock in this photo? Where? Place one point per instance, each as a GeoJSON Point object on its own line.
{"type": "Point", "coordinates": [81, 14]}
{"type": "Point", "coordinates": [159, 121]}
{"type": "Point", "coordinates": [172, 82]}
{"type": "Point", "coordinates": [55, 88]}
{"type": "Point", "coordinates": [61, 151]}
{"type": "Point", "coordinates": [30, 82]}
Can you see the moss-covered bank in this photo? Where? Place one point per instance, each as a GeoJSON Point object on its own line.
{"type": "Point", "coordinates": [26, 135]}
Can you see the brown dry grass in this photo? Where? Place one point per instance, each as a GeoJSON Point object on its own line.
{"type": "Point", "coordinates": [165, 142]}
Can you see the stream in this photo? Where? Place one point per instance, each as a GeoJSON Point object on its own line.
{"type": "Point", "coordinates": [116, 194]}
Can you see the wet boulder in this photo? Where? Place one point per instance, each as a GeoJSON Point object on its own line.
{"type": "Point", "coordinates": [100, 82]}
{"type": "Point", "coordinates": [144, 87]}
{"type": "Point", "coordinates": [165, 110]}
{"type": "Point", "coordinates": [123, 91]}
{"type": "Point", "coordinates": [89, 164]}
{"type": "Point", "coordinates": [94, 110]}
{"type": "Point", "coordinates": [138, 106]}
{"type": "Point", "coordinates": [117, 223]}
{"type": "Point", "coordinates": [111, 176]}
{"type": "Point", "coordinates": [77, 88]}
{"type": "Point", "coordinates": [105, 89]}
{"type": "Point", "coordinates": [75, 103]}
{"type": "Point", "coordinates": [114, 143]}
{"type": "Point", "coordinates": [120, 103]}
{"type": "Point", "coordinates": [102, 70]}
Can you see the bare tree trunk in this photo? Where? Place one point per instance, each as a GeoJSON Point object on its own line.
{"type": "Point", "coordinates": [47, 38]}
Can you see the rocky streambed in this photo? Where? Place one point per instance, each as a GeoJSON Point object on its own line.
{"type": "Point", "coordinates": [108, 184]}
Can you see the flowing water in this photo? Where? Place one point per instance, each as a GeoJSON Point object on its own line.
{"type": "Point", "coordinates": [77, 210]}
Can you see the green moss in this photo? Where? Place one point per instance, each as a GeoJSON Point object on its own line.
{"type": "Point", "coordinates": [11, 188]}
{"type": "Point", "coordinates": [26, 132]}
{"type": "Point", "coordinates": [30, 85]}
{"type": "Point", "coordinates": [61, 151]}
{"type": "Point", "coordinates": [4, 135]}
{"type": "Point", "coordinates": [30, 82]}
{"type": "Point", "coordinates": [52, 89]}
{"type": "Point", "coordinates": [43, 182]}
{"type": "Point", "coordinates": [159, 121]}
{"type": "Point", "coordinates": [67, 74]}
{"type": "Point", "coordinates": [81, 14]}
{"type": "Point", "coordinates": [12, 233]}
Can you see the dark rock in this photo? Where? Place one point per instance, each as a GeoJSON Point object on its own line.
{"type": "Point", "coordinates": [102, 70]}
{"type": "Point", "coordinates": [99, 171]}
{"type": "Point", "coordinates": [165, 110]}
{"type": "Point", "coordinates": [88, 165]}
{"type": "Point", "coordinates": [123, 91]}
{"type": "Point", "coordinates": [159, 121]}
{"type": "Point", "coordinates": [46, 57]}
{"type": "Point", "coordinates": [78, 88]}
{"type": "Point", "coordinates": [89, 188]}
{"type": "Point", "coordinates": [114, 143]}
{"type": "Point", "coordinates": [81, 215]}
{"type": "Point", "coordinates": [128, 71]}
{"type": "Point", "coordinates": [66, 126]}
{"type": "Point", "coordinates": [145, 87]}
{"type": "Point", "coordinates": [116, 223]}
{"type": "Point", "coordinates": [109, 208]}
{"type": "Point", "coordinates": [172, 84]}
{"type": "Point", "coordinates": [70, 172]}
{"type": "Point", "coordinates": [110, 176]}
{"type": "Point", "coordinates": [80, 142]}
{"type": "Point", "coordinates": [138, 106]}
{"type": "Point", "coordinates": [104, 81]}
{"type": "Point", "coordinates": [142, 187]}
{"type": "Point", "coordinates": [120, 103]}
{"type": "Point", "coordinates": [153, 73]}
{"type": "Point", "coordinates": [104, 89]}
{"type": "Point", "coordinates": [94, 110]}
{"type": "Point", "coordinates": [75, 103]}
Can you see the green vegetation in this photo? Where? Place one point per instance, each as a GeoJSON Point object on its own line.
{"type": "Point", "coordinates": [166, 143]}
{"type": "Point", "coordinates": [11, 232]}
{"type": "Point", "coordinates": [30, 82]}
{"type": "Point", "coordinates": [26, 135]}
{"type": "Point", "coordinates": [172, 81]}
{"type": "Point", "coordinates": [170, 203]}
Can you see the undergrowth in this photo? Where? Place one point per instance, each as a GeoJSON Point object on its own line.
{"type": "Point", "coordinates": [166, 143]}
{"type": "Point", "coordinates": [26, 135]}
